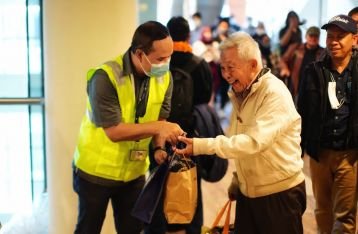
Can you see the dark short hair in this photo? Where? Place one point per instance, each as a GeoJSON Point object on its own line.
{"type": "Point", "coordinates": [196, 14]}
{"type": "Point", "coordinates": [292, 14]}
{"type": "Point", "coordinates": [178, 28]}
{"type": "Point", "coordinates": [146, 33]}
{"type": "Point", "coordinates": [224, 19]}
{"type": "Point", "coordinates": [353, 11]}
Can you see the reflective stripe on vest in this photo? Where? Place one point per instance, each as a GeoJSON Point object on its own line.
{"type": "Point", "coordinates": [96, 154]}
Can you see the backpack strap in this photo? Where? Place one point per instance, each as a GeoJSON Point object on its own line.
{"type": "Point", "coordinates": [191, 64]}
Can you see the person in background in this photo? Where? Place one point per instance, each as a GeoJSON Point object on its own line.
{"type": "Point", "coordinates": [265, 145]}
{"type": "Point", "coordinates": [354, 14]}
{"type": "Point", "coordinates": [264, 42]}
{"type": "Point", "coordinates": [128, 102]}
{"type": "Point", "coordinates": [201, 75]}
{"type": "Point", "coordinates": [298, 56]}
{"type": "Point", "coordinates": [208, 49]}
{"type": "Point", "coordinates": [291, 33]}
{"type": "Point", "coordinates": [222, 31]}
{"type": "Point", "coordinates": [196, 32]}
{"type": "Point", "coordinates": [202, 88]}
{"type": "Point", "coordinates": [328, 104]}
{"type": "Point", "coordinates": [250, 29]}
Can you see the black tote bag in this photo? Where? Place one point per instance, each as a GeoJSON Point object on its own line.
{"type": "Point", "coordinates": [149, 197]}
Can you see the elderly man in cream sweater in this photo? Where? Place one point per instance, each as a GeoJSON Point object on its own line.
{"type": "Point", "coordinates": [265, 146]}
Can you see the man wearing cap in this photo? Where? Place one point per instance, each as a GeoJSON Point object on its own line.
{"type": "Point", "coordinates": [298, 56]}
{"type": "Point", "coordinates": [328, 104]}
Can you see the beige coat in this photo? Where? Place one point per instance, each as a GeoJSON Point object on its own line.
{"type": "Point", "coordinates": [266, 146]}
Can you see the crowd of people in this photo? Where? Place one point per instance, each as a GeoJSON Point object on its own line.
{"type": "Point", "coordinates": [285, 62]}
{"type": "Point", "coordinates": [303, 104]}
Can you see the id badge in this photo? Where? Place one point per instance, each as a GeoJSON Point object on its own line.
{"type": "Point", "coordinates": [137, 155]}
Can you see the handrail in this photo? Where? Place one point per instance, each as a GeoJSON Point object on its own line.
{"type": "Point", "coordinates": [21, 101]}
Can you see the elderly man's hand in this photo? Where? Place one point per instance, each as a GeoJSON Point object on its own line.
{"type": "Point", "coordinates": [188, 150]}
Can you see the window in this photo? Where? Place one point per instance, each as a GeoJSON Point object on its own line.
{"type": "Point", "coordinates": [22, 145]}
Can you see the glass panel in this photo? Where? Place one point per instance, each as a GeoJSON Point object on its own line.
{"type": "Point", "coordinates": [13, 47]}
{"type": "Point", "coordinates": [37, 151]}
{"type": "Point", "coordinates": [20, 46]}
{"type": "Point", "coordinates": [35, 52]}
{"type": "Point", "coordinates": [22, 145]}
{"type": "Point", "coordinates": [15, 171]}
{"type": "Point", "coordinates": [22, 174]}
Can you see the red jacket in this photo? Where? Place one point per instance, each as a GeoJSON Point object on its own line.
{"type": "Point", "coordinates": [292, 59]}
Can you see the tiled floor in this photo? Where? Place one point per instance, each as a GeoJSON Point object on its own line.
{"type": "Point", "coordinates": [214, 197]}
{"type": "Point", "coordinates": [30, 223]}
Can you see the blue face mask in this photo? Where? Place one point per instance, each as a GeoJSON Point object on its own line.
{"type": "Point", "coordinates": [157, 70]}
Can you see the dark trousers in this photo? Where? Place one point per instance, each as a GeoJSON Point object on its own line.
{"type": "Point", "coordinates": [279, 213]}
{"type": "Point", "coordinates": [93, 202]}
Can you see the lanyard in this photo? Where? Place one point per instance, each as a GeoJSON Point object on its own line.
{"type": "Point", "coordinates": [141, 102]}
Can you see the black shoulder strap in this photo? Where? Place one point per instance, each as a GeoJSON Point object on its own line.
{"type": "Point", "coordinates": [192, 63]}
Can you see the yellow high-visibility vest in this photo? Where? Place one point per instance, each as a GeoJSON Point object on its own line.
{"type": "Point", "coordinates": [95, 153]}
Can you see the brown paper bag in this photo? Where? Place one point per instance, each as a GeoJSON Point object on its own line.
{"type": "Point", "coordinates": [180, 197]}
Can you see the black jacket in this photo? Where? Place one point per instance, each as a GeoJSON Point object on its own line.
{"type": "Point", "coordinates": [312, 105]}
{"type": "Point", "coordinates": [201, 74]}
{"type": "Point", "coordinates": [202, 85]}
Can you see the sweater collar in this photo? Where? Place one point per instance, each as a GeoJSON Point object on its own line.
{"type": "Point", "coordinates": [245, 93]}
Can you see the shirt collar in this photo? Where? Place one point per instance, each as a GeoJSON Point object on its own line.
{"type": "Point", "coordinates": [261, 73]}
{"type": "Point", "coordinates": [128, 66]}
{"type": "Point", "coordinates": [246, 92]}
{"type": "Point", "coordinates": [348, 68]}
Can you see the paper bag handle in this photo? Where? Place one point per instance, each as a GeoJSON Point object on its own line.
{"type": "Point", "coordinates": [184, 159]}
{"type": "Point", "coordinates": [227, 219]}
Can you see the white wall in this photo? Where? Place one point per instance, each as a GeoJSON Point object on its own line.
{"type": "Point", "coordinates": [77, 35]}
